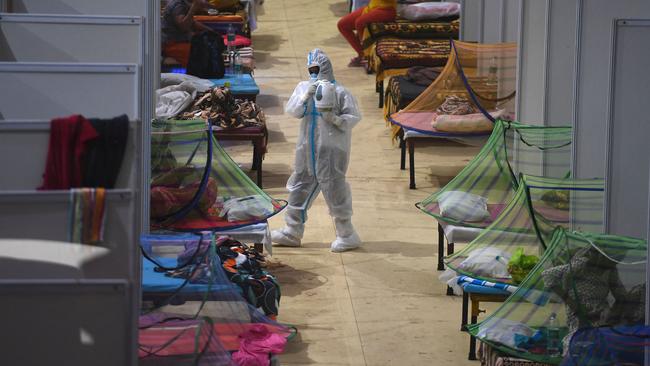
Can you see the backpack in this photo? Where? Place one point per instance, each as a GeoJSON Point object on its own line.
{"type": "Point", "coordinates": [206, 56]}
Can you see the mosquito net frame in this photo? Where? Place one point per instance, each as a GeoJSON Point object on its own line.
{"type": "Point", "coordinates": [196, 186]}
{"type": "Point", "coordinates": [201, 298]}
{"type": "Point", "coordinates": [584, 281]}
{"type": "Point", "coordinates": [493, 174]}
{"type": "Point", "coordinates": [506, 250]}
{"type": "Point", "coordinates": [483, 74]}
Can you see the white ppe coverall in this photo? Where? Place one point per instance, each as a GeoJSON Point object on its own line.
{"type": "Point", "coordinates": [322, 155]}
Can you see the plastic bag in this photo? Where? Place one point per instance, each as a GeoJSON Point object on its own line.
{"type": "Point", "coordinates": [201, 85]}
{"type": "Point", "coordinates": [430, 11]}
{"type": "Point", "coordinates": [463, 206]}
{"type": "Point", "coordinates": [246, 208]}
{"type": "Point", "coordinates": [487, 262]}
{"type": "Point", "coordinates": [450, 278]}
{"type": "Point", "coordinates": [521, 264]}
{"type": "Point", "coordinates": [173, 99]}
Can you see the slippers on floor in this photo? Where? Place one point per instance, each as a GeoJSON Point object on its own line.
{"type": "Point", "coordinates": [356, 62]}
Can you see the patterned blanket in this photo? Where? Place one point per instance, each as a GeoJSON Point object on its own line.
{"type": "Point", "coordinates": [397, 53]}
{"type": "Point", "coordinates": [410, 30]}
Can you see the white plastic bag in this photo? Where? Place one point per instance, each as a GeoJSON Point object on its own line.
{"type": "Point", "coordinates": [173, 99]}
{"type": "Point", "coordinates": [450, 278]}
{"type": "Point", "coordinates": [487, 262]}
{"type": "Point", "coordinates": [430, 11]}
{"type": "Point", "coordinates": [247, 208]}
{"type": "Point", "coordinates": [201, 85]}
{"type": "Point", "coordinates": [463, 206]}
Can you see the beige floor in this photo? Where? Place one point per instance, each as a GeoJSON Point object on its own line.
{"type": "Point", "coordinates": [382, 304]}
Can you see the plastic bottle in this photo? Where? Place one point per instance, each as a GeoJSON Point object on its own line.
{"type": "Point", "coordinates": [230, 43]}
{"type": "Point", "coordinates": [238, 67]}
{"type": "Point", "coordinates": [553, 341]}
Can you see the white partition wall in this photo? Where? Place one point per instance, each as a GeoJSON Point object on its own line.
{"type": "Point", "coordinates": [99, 59]}
{"type": "Point", "coordinates": [83, 7]}
{"type": "Point", "coordinates": [489, 21]}
{"type": "Point", "coordinates": [71, 38]}
{"type": "Point", "coordinates": [628, 129]}
{"type": "Point", "coordinates": [40, 91]}
{"type": "Point", "coordinates": [585, 64]}
{"type": "Point", "coordinates": [547, 55]}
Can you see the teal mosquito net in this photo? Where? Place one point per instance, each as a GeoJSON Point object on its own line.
{"type": "Point", "coordinates": [583, 281]}
{"type": "Point", "coordinates": [491, 178]}
{"type": "Point", "coordinates": [509, 248]}
{"type": "Point", "coordinates": [195, 185]}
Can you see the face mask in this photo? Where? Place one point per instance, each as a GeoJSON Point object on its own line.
{"type": "Point", "coordinates": [314, 76]}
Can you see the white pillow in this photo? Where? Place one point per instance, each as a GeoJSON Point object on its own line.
{"type": "Point", "coordinates": [430, 11]}
{"type": "Point", "coordinates": [463, 206]}
{"type": "Point", "coordinates": [487, 262]}
{"type": "Point", "coordinates": [465, 123]}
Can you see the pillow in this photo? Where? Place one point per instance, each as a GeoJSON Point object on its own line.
{"type": "Point", "coordinates": [465, 123]}
{"type": "Point", "coordinates": [462, 206]}
{"type": "Point", "coordinates": [488, 262]}
{"type": "Point", "coordinates": [430, 11]}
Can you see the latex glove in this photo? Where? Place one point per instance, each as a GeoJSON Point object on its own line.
{"type": "Point", "coordinates": [311, 90]}
{"type": "Point", "coordinates": [333, 119]}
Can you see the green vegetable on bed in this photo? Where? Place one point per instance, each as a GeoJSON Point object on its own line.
{"type": "Point", "coordinates": [521, 264]}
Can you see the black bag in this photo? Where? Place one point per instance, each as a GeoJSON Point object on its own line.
{"type": "Point", "coordinates": [206, 56]}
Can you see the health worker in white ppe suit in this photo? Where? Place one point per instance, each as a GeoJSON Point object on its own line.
{"type": "Point", "coordinates": [328, 112]}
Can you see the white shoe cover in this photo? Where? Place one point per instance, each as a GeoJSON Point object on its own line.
{"type": "Point", "coordinates": [344, 244]}
{"type": "Point", "coordinates": [282, 238]}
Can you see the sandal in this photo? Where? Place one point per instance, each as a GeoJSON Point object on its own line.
{"type": "Point", "coordinates": [356, 62]}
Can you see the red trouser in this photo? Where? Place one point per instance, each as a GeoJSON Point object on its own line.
{"type": "Point", "coordinates": [179, 51]}
{"type": "Point", "coordinates": [358, 21]}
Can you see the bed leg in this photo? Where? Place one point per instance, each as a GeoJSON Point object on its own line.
{"type": "Point", "coordinates": [402, 146]}
{"type": "Point", "coordinates": [411, 145]}
{"type": "Point", "coordinates": [450, 251]}
{"type": "Point", "coordinates": [465, 311]}
{"type": "Point", "coordinates": [441, 248]}
{"type": "Point", "coordinates": [473, 320]}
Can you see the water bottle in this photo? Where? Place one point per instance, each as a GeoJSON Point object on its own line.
{"type": "Point", "coordinates": [230, 43]}
{"type": "Point", "coordinates": [238, 67]}
{"type": "Point", "coordinates": [553, 341]}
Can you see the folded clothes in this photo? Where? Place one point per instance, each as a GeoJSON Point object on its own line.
{"type": "Point", "coordinates": [422, 75]}
{"type": "Point", "coordinates": [167, 200]}
{"type": "Point", "coordinates": [222, 109]}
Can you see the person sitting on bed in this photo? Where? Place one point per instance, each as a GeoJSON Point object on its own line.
{"type": "Point", "coordinates": [377, 11]}
{"type": "Point", "coordinates": [178, 25]}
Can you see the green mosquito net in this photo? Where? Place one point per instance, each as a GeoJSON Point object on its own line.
{"type": "Point", "coordinates": [196, 186]}
{"type": "Point", "coordinates": [511, 246]}
{"type": "Point", "coordinates": [583, 281]}
{"type": "Point", "coordinates": [490, 179]}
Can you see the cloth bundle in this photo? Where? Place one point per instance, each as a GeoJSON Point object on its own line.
{"type": "Point", "coordinates": [85, 153]}
{"type": "Point", "coordinates": [256, 345]}
{"type": "Point", "coordinates": [422, 75]}
{"type": "Point", "coordinates": [175, 189]}
{"type": "Point", "coordinates": [219, 106]}
{"type": "Point", "coordinates": [459, 115]}
{"type": "Point", "coordinates": [588, 284]}
{"type": "Point", "coordinates": [244, 267]}
{"type": "Point", "coordinates": [456, 105]}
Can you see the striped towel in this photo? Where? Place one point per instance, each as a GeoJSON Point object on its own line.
{"type": "Point", "coordinates": [87, 208]}
{"type": "Point", "coordinates": [531, 295]}
{"type": "Point", "coordinates": [501, 286]}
